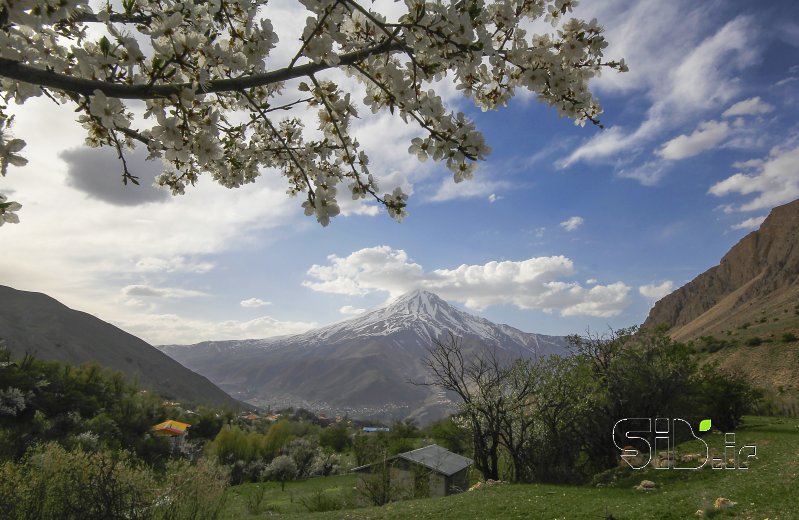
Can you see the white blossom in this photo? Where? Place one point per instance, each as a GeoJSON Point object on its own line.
{"type": "Point", "coordinates": [177, 56]}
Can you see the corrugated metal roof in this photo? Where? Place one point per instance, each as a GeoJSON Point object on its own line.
{"type": "Point", "coordinates": [438, 459]}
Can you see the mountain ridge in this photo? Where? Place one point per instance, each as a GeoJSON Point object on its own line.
{"type": "Point", "coordinates": [40, 325]}
{"type": "Point", "coordinates": [761, 269]}
{"type": "Point", "coordinates": [359, 365]}
{"type": "Point", "coordinates": [747, 307]}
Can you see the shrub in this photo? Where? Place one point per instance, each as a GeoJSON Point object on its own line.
{"type": "Point", "coordinates": [335, 437]}
{"type": "Point", "coordinates": [192, 491]}
{"type": "Point", "coordinates": [51, 482]}
{"type": "Point", "coordinates": [711, 344]}
{"type": "Point", "coordinates": [789, 337]}
{"type": "Point", "coordinates": [754, 341]}
{"type": "Point", "coordinates": [282, 469]}
{"type": "Point", "coordinates": [724, 396]}
{"type": "Point", "coordinates": [325, 464]}
{"type": "Point", "coordinates": [319, 501]}
{"type": "Point", "coordinates": [255, 499]}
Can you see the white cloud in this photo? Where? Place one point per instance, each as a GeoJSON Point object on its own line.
{"type": "Point", "coordinates": [535, 283]}
{"type": "Point", "coordinates": [175, 264]}
{"type": "Point", "coordinates": [477, 187]}
{"type": "Point", "coordinates": [371, 269]}
{"type": "Point", "coordinates": [148, 291]}
{"type": "Point", "coordinates": [571, 224]}
{"type": "Point", "coordinates": [707, 135]}
{"type": "Point", "coordinates": [688, 78]}
{"type": "Point", "coordinates": [159, 329]}
{"type": "Point", "coordinates": [251, 303]}
{"type": "Point", "coordinates": [349, 310]}
{"type": "Point", "coordinates": [648, 174]}
{"type": "Point", "coordinates": [750, 164]}
{"type": "Point", "coordinates": [775, 181]}
{"type": "Point", "coordinates": [749, 107]}
{"type": "Point", "coordinates": [656, 292]}
{"type": "Point", "coordinates": [494, 197]}
{"type": "Point", "coordinates": [750, 223]}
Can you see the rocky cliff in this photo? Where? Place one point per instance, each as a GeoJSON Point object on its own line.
{"type": "Point", "coordinates": [759, 275]}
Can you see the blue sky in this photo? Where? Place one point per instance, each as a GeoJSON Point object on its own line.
{"type": "Point", "coordinates": [562, 229]}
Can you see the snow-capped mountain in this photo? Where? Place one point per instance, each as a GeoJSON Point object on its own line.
{"type": "Point", "coordinates": [426, 316]}
{"type": "Point", "coordinates": [361, 365]}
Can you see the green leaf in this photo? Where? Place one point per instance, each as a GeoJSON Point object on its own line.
{"type": "Point", "coordinates": [105, 46]}
{"type": "Point", "coordinates": [704, 425]}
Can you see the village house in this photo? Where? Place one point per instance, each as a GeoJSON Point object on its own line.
{"type": "Point", "coordinates": [445, 472]}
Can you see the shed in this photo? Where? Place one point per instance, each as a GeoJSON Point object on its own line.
{"type": "Point", "coordinates": [446, 472]}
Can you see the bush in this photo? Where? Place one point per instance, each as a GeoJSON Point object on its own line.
{"type": "Point", "coordinates": [789, 337]}
{"type": "Point", "coordinates": [255, 499]}
{"type": "Point", "coordinates": [724, 397]}
{"type": "Point", "coordinates": [754, 341]}
{"type": "Point", "coordinates": [711, 344]}
{"type": "Point", "coordinates": [282, 469]}
{"type": "Point", "coordinates": [319, 502]}
{"type": "Point", "coordinates": [335, 437]}
{"type": "Point", "coordinates": [51, 482]}
{"type": "Point", "coordinates": [192, 491]}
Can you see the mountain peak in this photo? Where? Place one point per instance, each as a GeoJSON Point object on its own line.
{"type": "Point", "coordinates": [416, 294]}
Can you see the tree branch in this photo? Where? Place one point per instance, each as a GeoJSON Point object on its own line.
{"type": "Point", "coordinates": [46, 78]}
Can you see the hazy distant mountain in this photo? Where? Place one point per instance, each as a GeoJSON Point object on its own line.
{"type": "Point", "coordinates": [40, 325]}
{"type": "Point", "coordinates": [750, 298]}
{"type": "Point", "coordinates": [361, 365]}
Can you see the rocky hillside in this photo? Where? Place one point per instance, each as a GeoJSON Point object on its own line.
{"type": "Point", "coordinates": [758, 277]}
{"type": "Point", "coordinates": [744, 313]}
{"type": "Point", "coordinates": [37, 324]}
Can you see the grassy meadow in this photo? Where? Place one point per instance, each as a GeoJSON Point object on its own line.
{"type": "Point", "coordinates": [767, 490]}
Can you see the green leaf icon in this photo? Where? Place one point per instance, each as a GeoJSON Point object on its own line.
{"type": "Point", "coordinates": [704, 425]}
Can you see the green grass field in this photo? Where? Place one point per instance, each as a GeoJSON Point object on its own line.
{"type": "Point", "coordinates": [768, 489]}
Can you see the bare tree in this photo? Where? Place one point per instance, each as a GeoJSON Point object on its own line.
{"type": "Point", "coordinates": [494, 394]}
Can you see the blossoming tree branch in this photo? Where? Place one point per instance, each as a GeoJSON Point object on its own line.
{"type": "Point", "coordinates": [216, 103]}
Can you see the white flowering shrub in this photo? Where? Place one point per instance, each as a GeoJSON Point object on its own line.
{"type": "Point", "coordinates": [213, 93]}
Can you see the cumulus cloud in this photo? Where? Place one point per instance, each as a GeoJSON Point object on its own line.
{"type": "Point", "coordinates": [251, 303]}
{"type": "Point", "coordinates": [148, 291]}
{"type": "Point", "coordinates": [773, 182]}
{"type": "Point", "coordinates": [749, 107]}
{"type": "Point", "coordinates": [750, 223]}
{"type": "Point", "coordinates": [371, 269]}
{"type": "Point", "coordinates": [349, 310]}
{"type": "Point", "coordinates": [535, 283]}
{"type": "Point", "coordinates": [571, 224]}
{"type": "Point", "coordinates": [655, 292]}
{"type": "Point", "coordinates": [707, 135]}
{"type": "Point", "coordinates": [98, 174]}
